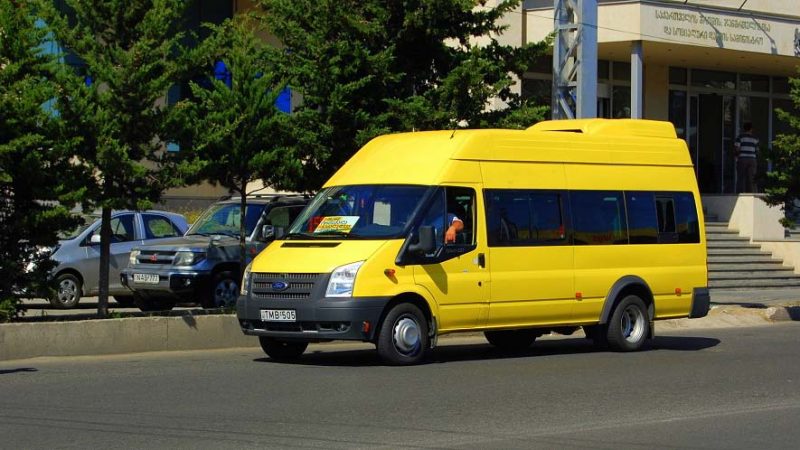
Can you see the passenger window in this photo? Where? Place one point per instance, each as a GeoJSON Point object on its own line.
{"type": "Point", "coordinates": [599, 218]}
{"type": "Point", "coordinates": [642, 217]}
{"type": "Point", "coordinates": [121, 229]}
{"type": "Point", "coordinates": [524, 218]}
{"type": "Point", "coordinates": [156, 227]}
{"type": "Point", "coordinates": [665, 207]}
{"type": "Point", "coordinates": [687, 223]}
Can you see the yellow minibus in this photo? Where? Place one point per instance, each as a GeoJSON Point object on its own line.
{"type": "Point", "coordinates": [590, 223]}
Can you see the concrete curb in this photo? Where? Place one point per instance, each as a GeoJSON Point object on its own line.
{"type": "Point", "coordinates": [190, 332]}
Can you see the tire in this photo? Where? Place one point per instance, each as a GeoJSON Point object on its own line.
{"type": "Point", "coordinates": [628, 326]}
{"type": "Point", "coordinates": [125, 301]}
{"type": "Point", "coordinates": [150, 304]}
{"type": "Point", "coordinates": [69, 291]}
{"type": "Point", "coordinates": [223, 290]}
{"type": "Point", "coordinates": [511, 340]}
{"type": "Point", "coordinates": [282, 350]}
{"type": "Point", "coordinates": [403, 337]}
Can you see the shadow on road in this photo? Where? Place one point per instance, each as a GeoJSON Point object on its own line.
{"type": "Point", "coordinates": [476, 352]}
{"type": "Point", "coordinates": [21, 369]}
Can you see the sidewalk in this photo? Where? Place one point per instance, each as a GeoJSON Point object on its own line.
{"type": "Point", "coordinates": [756, 297]}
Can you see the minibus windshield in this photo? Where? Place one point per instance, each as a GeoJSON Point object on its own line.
{"type": "Point", "coordinates": [358, 212]}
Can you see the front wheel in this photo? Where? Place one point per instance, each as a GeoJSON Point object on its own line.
{"type": "Point", "coordinates": [223, 292]}
{"type": "Point", "coordinates": [403, 338]}
{"type": "Point", "coordinates": [69, 291]}
{"type": "Point", "coordinates": [628, 326]}
{"type": "Point", "coordinates": [282, 350]}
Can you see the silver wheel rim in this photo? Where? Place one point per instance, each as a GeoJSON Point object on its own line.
{"type": "Point", "coordinates": [632, 324]}
{"type": "Point", "coordinates": [67, 291]}
{"type": "Point", "coordinates": [406, 337]}
{"type": "Point", "coordinates": [225, 293]}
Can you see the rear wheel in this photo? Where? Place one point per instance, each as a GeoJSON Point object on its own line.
{"type": "Point", "coordinates": [628, 326]}
{"type": "Point", "coordinates": [282, 350]}
{"type": "Point", "coordinates": [149, 304]}
{"type": "Point", "coordinates": [512, 340]}
{"type": "Point", "coordinates": [69, 291]}
{"type": "Point", "coordinates": [403, 338]}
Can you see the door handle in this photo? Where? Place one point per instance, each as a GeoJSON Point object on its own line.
{"type": "Point", "coordinates": [481, 260]}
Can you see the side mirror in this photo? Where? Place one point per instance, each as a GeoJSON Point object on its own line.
{"type": "Point", "coordinates": [427, 241]}
{"type": "Point", "coordinates": [95, 239]}
{"type": "Point", "coordinates": [271, 232]}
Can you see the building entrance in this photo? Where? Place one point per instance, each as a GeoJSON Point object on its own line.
{"type": "Point", "coordinates": [710, 137]}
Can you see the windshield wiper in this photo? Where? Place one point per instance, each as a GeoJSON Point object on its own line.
{"type": "Point", "coordinates": [300, 234]}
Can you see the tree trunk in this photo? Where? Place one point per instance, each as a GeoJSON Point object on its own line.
{"type": "Point", "coordinates": [242, 230]}
{"type": "Point", "coordinates": [105, 260]}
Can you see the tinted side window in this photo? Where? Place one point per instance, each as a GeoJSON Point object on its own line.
{"type": "Point", "coordinates": [282, 216]}
{"type": "Point", "coordinates": [158, 227]}
{"type": "Point", "coordinates": [665, 207]}
{"type": "Point", "coordinates": [524, 218]}
{"type": "Point", "coordinates": [687, 223]}
{"type": "Point", "coordinates": [122, 229]}
{"type": "Point", "coordinates": [598, 217]}
{"type": "Point", "coordinates": [642, 218]}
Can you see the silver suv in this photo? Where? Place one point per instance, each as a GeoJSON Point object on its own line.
{"type": "Point", "coordinates": [203, 265]}
{"type": "Point", "coordinates": [78, 256]}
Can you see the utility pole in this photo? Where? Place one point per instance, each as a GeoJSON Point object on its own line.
{"type": "Point", "coordinates": [575, 59]}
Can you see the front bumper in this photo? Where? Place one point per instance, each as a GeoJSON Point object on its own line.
{"type": "Point", "coordinates": [318, 319]}
{"type": "Point", "coordinates": [182, 284]}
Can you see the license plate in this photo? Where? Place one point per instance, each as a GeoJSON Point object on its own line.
{"type": "Point", "coordinates": [145, 278]}
{"type": "Point", "coordinates": [278, 315]}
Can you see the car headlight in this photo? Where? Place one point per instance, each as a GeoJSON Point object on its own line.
{"type": "Point", "coordinates": [246, 279]}
{"type": "Point", "coordinates": [187, 258]}
{"type": "Point", "coordinates": [134, 258]}
{"type": "Point", "coordinates": [342, 280]}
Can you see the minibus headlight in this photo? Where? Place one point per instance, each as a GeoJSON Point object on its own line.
{"type": "Point", "coordinates": [134, 257]}
{"type": "Point", "coordinates": [342, 280]}
{"type": "Point", "coordinates": [246, 279]}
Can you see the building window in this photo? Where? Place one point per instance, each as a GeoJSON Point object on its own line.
{"type": "Point", "coordinates": [713, 79]}
{"type": "Point", "coordinates": [678, 75]}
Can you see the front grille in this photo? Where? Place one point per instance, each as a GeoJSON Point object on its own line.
{"type": "Point", "coordinates": [300, 286]}
{"type": "Point", "coordinates": [155, 257]}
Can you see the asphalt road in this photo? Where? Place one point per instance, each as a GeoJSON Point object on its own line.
{"type": "Point", "coordinates": [723, 388]}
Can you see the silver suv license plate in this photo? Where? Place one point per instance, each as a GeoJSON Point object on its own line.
{"type": "Point", "coordinates": [145, 278]}
{"type": "Point", "coordinates": [278, 315]}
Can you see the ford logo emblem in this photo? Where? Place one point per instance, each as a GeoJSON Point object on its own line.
{"type": "Point", "coordinates": [280, 286]}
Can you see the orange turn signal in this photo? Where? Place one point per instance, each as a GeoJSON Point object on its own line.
{"type": "Point", "coordinates": [389, 272]}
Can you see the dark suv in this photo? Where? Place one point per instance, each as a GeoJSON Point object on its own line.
{"type": "Point", "coordinates": [203, 265]}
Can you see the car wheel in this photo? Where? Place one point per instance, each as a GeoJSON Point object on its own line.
{"type": "Point", "coordinates": [150, 304]}
{"type": "Point", "coordinates": [511, 340]}
{"type": "Point", "coordinates": [69, 291]}
{"type": "Point", "coordinates": [125, 301]}
{"type": "Point", "coordinates": [403, 338]}
{"type": "Point", "coordinates": [282, 350]}
{"type": "Point", "coordinates": [223, 292]}
{"type": "Point", "coordinates": [627, 329]}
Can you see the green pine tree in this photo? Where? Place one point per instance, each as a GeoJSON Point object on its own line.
{"type": "Point", "coordinates": [34, 177]}
{"type": "Point", "coordinates": [368, 67]}
{"type": "Point", "coordinates": [236, 133]}
{"type": "Point", "coordinates": [114, 107]}
{"type": "Point", "coordinates": [783, 182]}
